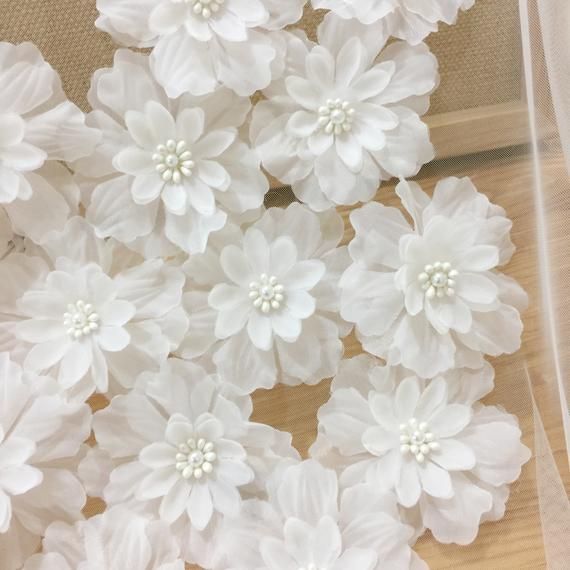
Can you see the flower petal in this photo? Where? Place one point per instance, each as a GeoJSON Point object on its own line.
{"type": "Point", "coordinates": [435, 480]}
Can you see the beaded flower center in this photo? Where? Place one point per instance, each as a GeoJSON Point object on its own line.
{"type": "Point", "coordinates": [438, 280]}
{"type": "Point", "coordinates": [80, 319]}
{"type": "Point", "coordinates": [416, 439]}
{"type": "Point", "coordinates": [311, 566]}
{"type": "Point", "coordinates": [267, 293]}
{"type": "Point", "coordinates": [336, 116]}
{"type": "Point", "coordinates": [173, 161]}
{"type": "Point", "coordinates": [204, 8]}
{"type": "Point", "coordinates": [195, 458]}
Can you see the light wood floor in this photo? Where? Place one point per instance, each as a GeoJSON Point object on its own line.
{"type": "Point", "coordinates": [516, 541]}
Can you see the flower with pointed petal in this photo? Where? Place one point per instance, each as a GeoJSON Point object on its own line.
{"type": "Point", "coordinates": [41, 435]}
{"type": "Point", "coordinates": [264, 302]}
{"type": "Point", "coordinates": [346, 114]}
{"type": "Point", "coordinates": [200, 45]}
{"type": "Point", "coordinates": [38, 127]}
{"type": "Point", "coordinates": [167, 172]}
{"type": "Point", "coordinates": [410, 20]}
{"type": "Point", "coordinates": [118, 539]}
{"type": "Point", "coordinates": [307, 524]}
{"type": "Point", "coordinates": [429, 296]}
{"type": "Point", "coordinates": [67, 309]}
{"type": "Point", "coordinates": [447, 457]}
{"type": "Point", "coordinates": [184, 449]}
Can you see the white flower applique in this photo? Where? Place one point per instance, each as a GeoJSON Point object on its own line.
{"type": "Point", "coordinates": [69, 311]}
{"type": "Point", "coordinates": [167, 172]}
{"type": "Point", "coordinates": [308, 524]}
{"type": "Point", "coordinates": [183, 448]}
{"type": "Point", "coordinates": [199, 45]}
{"type": "Point", "coordinates": [265, 302]}
{"type": "Point", "coordinates": [346, 114]}
{"type": "Point", "coordinates": [448, 458]}
{"type": "Point", "coordinates": [41, 436]}
{"type": "Point", "coordinates": [410, 20]}
{"type": "Point", "coordinates": [38, 128]}
{"type": "Point", "coordinates": [431, 297]}
{"type": "Point", "coordinates": [117, 537]}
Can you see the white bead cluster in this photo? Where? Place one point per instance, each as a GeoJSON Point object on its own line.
{"type": "Point", "coordinates": [194, 458]}
{"type": "Point", "coordinates": [266, 293]}
{"type": "Point", "coordinates": [438, 280]}
{"type": "Point", "coordinates": [173, 161]}
{"type": "Point", "coordinates": [80, 319]}
{"type": "Point", "coordinates": [204, 8]}
{"type": "Point", "coordinates": [417, 439]}
{"type": "Point", "coordinates": [336, 117]}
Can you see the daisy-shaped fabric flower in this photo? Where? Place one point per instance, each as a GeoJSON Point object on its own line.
{"type": "Point", "coordinates": [265, 302]}
{"type": "Point", "coordinates": [346, 114]}
{"type": "Point", "coordinates": [448, 458]}
{"type": "Point", "coordinates": [410, 20]}
{"type": "Point", "coordinates": [429, 297]}
{"type": "Point", "coordinates": [40, 436]}
{"type": "Point", "coordinates": [119, 539]}
{"type": "Point", "coordinates": [202, 44]}
{"type": "Point", "coordinates": [183, 447]}
{"type": "Point", "coordinates": [166, 171]}
{"type": "Point", "coordinates": [38, 126]}
{"type": "Point", "coordinates": [307, 524]}
{"type": "Point", "coordinates": [69, 310]}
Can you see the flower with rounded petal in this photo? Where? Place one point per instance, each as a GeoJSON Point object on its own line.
{"type": "Point", "coordinates": [429, 297]}
{"type": "Point", "coordinates": [38, 127]}
{"type": "Point", "coordinates": [307, 524]}
{"type": "Point", "coordinates": [410, 20]}
{"type": "Point", "coordinates": [346, 114]}
{"type": "Point", "coordinates": [447, 458]}
{"type": "Point", "coordinates": [118, 539]}
{"type": "Point", "coordinates": [68, 310]}
{"type": "Point", "coordinates": [41, 435]}
{"type": "Point", "coordinates": [264, 302]}
{"type": "Point", "coordinates": [166, 172]}
{"type": "Point", "coordinates": [184, 449]}
{"type": "Point", "coordinates": [200, 45]}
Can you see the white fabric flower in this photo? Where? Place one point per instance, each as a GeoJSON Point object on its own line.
{"type": "Point", "coordinates": [72, 312]}
{"type": "Point", "coordinates": [118, 539]}
{"type": "Point", "coordinates": [410, 20]}
{"type": "Point", "coordinates": [265, 302]}
{"type": "Point", "coordinates": [38, 126]}
{"type": "Point", "coordinates": [202, 44]}
{"type": "Point", "coordinates": [184, 449]}
{"type": "Point", "coordinates": [41, 435]}
{"type": "Point", "coordinates": [429, 296]}
{"type": "Point", "coordinates": [447, 457]}
{"type": "Point", "coordinates": [166, 172]}
{"type": "Point", "coordinates": [343, 118]}
{"type": "Point", "coordinates": [307, 524]}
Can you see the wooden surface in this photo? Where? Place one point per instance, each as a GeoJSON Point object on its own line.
{"type": "Point", "coordinates": [514, 543]}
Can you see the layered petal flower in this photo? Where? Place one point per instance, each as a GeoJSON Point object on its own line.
{"type": "Point", "coordinates": [264, 303]}
{"type": "Point", "coordinates": [167, 172]}
{"type": "Point", "coordinates": [38, 127]}
{"type": "Point", "coordinates": [200, 45]}
{"type": "Point", "coordinates": [185, 451]}
{"type": "Point", "coordinates": [410, 20]}
{"type": "Point", "coordinates": [426, 440]}
{"type": "Point", "coordinates": [116, 540]}
{"type": "Point", "coordinates": [346, 114]}
{"type": "Point", "coordinates": [429, 296]}
{"type": "Point", "coordinates": [68, 309]}
{"type": "Point", "coordinates": [41, 436]}
{"type": "Point", "coordinates": [307, 523]}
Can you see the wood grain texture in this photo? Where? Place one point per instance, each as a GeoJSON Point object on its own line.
{"type": "Point", "coordinates": [516, 541]}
